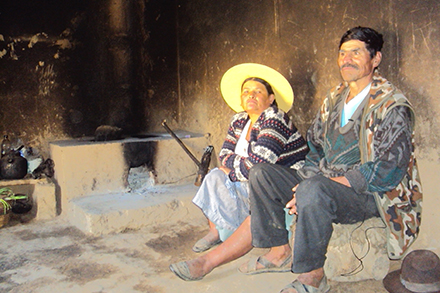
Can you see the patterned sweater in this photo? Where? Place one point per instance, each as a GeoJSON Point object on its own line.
{"type": "Point", "coordinates": [273, 139]}
{"type": "Point", "coordinates": [387, 166]}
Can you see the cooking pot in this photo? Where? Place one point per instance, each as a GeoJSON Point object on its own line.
{"type": "Point", "coordinates": [13, 165]}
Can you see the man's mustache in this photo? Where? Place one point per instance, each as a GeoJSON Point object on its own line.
{"type": "Point", "coordinates": [350, 65]}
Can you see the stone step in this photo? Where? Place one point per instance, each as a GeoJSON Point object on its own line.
{"type": "Point", "coordinates": [115, 212]}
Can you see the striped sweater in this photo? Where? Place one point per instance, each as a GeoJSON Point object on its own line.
{"type": "Point", "coordinates": [273, 139]}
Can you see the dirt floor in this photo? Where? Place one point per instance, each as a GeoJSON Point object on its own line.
{"type": "Point", "coordinates": [53, 256]}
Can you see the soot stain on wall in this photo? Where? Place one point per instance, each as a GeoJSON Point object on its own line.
{"type": "Point", "coordinates": [67, 67]}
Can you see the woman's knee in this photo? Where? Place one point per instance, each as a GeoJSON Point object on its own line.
{"type": "Point", "coordinates": [214, 175]}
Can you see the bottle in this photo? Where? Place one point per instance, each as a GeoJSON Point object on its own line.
{"type": "Point", "coordinates": [6, 145]}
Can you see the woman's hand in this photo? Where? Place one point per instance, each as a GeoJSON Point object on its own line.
{"type": "Point", "coordinates": [225, 170]}
{"type": "Point", "coordinates": [291, 205]}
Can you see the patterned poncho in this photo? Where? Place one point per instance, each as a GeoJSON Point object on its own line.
{"type": "Point", "coordinates": [399, 203]}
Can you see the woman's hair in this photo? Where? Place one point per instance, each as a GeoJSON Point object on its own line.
{"type": "Point", "coordinates": [372, 39]}
{"type": "Point", "coordinates": [262, 81]}
{"type": "Point", "coordinates": [266, 85]}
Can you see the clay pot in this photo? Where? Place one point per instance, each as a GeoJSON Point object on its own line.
{"type": "Point", "coordinates": [21, 206]}
{"type": "Point", "coordinates": [13, 166]}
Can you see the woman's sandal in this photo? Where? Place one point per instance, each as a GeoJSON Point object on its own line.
{"type": "Point", "coordinates": [181, 270]}
{"type": "Point", "coordinates": [303, 288]}
{"type": "Point", "coordinates": [203, 245]}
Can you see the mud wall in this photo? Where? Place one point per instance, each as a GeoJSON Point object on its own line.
{"type": "Point", "coordinates": [66, 68]}
{"type": "Point", "coordinates": [300, 39]}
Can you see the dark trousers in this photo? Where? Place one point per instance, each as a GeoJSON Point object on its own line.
{"type": "Point", "coordinates": [320, 202]}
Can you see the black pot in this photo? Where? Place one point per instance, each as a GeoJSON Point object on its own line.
{"type": "Point", "coordinates": [13, 166]}
{"type": "Point", "coordinates": [21, 206]}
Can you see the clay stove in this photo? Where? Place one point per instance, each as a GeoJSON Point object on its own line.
{"type": "Point", "coordinates": [86, 167]}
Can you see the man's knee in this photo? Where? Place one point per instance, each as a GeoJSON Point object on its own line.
{"type": "Point", "coordinates": [259, 171]}
{"type": "Point", "coordinates": [310, 190]}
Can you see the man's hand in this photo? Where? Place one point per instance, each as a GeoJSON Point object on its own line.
{"type": "Point", "coordinates": [225, 170]}
{"type": "Point", "coordinates": [291, 205]}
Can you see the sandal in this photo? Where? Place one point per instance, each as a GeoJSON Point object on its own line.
{"type": "Point", "coordinates": [203, 245]}
{"type": "Point", "coordinates": [303, 288]}
{"type": "Point", "coordinates": [181, 270]}
{"type": "Point", "coordinates": [268, 267]}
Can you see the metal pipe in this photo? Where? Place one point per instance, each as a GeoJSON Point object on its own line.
{"type": "Point", "coordinates": [164, 124]}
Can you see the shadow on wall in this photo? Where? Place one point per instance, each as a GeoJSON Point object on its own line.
{"type": "Point", "coordinates": [303, 80]}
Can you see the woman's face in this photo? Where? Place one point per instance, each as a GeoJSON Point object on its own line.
{"type": "Point", "coordinates": [255, 98]}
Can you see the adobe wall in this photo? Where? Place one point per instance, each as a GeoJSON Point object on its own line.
{"type": "Point", "coordinates": [300, 39]}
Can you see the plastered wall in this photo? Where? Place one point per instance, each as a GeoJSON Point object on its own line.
{"type": "Point", "coordinates": [300, 39]}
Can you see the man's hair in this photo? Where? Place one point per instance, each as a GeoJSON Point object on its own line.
{"type": "Point", "coordinates": [372, 39]}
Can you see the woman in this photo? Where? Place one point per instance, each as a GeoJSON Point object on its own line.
{"type": "Point", "coordinates": [261, 132]}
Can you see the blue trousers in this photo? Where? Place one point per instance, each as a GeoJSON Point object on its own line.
{"type": "Point", "coordinates": [320, 202]}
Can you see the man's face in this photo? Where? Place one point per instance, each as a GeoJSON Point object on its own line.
{"type": "Point", "coordinates": [355, 63]}
{"type": "Point", "coordinates": [255, 98]}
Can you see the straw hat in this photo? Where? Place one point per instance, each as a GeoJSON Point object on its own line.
{"type": "Point", "coordinates": [420, 272]}
{"type": "Point", "coordinates": [232, 80]}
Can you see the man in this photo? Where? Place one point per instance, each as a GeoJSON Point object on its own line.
{"type": "Point", "coordinates": [361, 164]}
